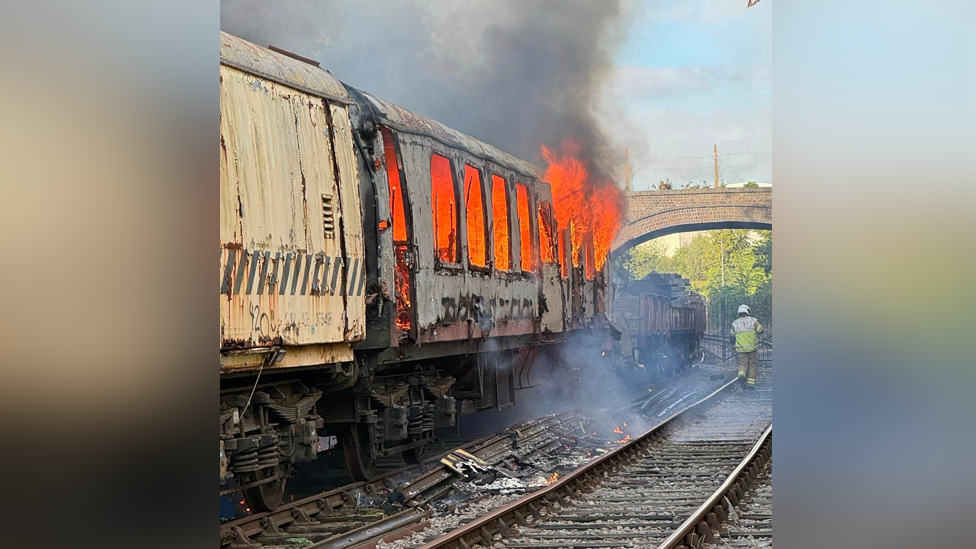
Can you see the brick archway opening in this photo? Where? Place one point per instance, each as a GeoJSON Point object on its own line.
{"type": "Point", "coordinates": [623, 247]}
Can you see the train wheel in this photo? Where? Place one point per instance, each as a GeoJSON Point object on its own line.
{"type": "Point", "coordinates": [415, 456]}
{"type": "Point", "coordinates": [266, 497]}
{"type": "Point", "coordinates": [356, 444]}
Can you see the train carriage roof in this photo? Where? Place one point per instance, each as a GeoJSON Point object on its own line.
{"type": "Point", "coordinates": [249, 57]}
{"type": "Point", "coordinates": [306, 77]}
{"type": "Point", "coordinates": [400, 119]}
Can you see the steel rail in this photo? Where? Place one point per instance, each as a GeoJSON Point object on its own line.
{"type": "Point", "coordinates": [331, 502]}
{"type": "Point", "coordinates": [373, 530]}
{"type": "Point", "coordinates": [422, 487]}
{"type": "Point", "coordinates": [582, 479]}
{"type": "Point", "coordinates": [708, 516]}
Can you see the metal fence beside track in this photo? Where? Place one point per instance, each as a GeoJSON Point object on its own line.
{"type": "Point", "coordinates": [719, 349]}
{"type": "Point", "coordinates": [721, 311]}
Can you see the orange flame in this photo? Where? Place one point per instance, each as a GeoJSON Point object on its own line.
{"type": "Point", "coordinates": [444, 203]}
{"type": "Point", "coordinates": [397, 209]}
{"type": "Point", "coordinates": [624, 440]}
{"type": "Point", "coordinates": [584, 205]}
{"type": "Point", "coordinates": [522, 205]}
{"type": "Point", "coordinates": [499, 213]}
{"type": "Point", "coordinates": [402, 281]}
{"type": "Point", "coordinates": [617, 430]}
{"type": "Point", "coordinates": [552, 479]}
{"type": "Point", "coordinates": [475, 213]}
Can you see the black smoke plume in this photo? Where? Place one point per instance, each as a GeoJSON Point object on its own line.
{"type": "Point", "coordinates": [514, 74]}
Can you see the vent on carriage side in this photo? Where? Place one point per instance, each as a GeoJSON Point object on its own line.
{"type": "Point", "coordinates": [328, 217]}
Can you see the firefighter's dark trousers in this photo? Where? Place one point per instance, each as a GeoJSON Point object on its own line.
{"type": "Point", "coordinates": [749, 366]}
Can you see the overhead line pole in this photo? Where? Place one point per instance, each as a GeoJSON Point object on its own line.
{"type": "Point", "coordinates": [716, 165]}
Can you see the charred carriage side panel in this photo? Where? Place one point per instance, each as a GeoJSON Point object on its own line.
{"type": "Point", "coordinates": [378, 233]}
{"type": "Point", "coordinates": [551, 299]}
{"type": "Point", "coordinates": [455, 294]}
{"type": "Point", "coordinates": [452, 297]}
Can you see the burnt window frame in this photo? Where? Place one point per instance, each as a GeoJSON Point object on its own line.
{"type": "Point", "coordinates": [589, 258]}
{"type": "Point", "coordinates": [439, 263]}
{"type": "Point", "coordinates": [404, 191]}
{"type": "Point", "coordinates": [492, 174]}
{"type": "Point", "coordinates": [409, 242]}
{"type": "Point", "coordinates": [489, 242]}
{"type": "Point", "coordinates": [565, 252]}
{"type": "Point", "coordinates": [553, 233]}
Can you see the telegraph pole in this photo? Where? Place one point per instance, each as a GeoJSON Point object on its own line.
{"type": "Point", "coordinates": [716, 165]}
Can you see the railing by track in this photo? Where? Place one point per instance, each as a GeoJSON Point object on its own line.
{"type": "Point", "coordinates": [719, 348]}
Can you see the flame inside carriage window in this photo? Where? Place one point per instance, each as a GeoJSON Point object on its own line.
{"type": "Point", "coordinates": [525, 231]}
{"type": "Point", "coordinates": [500, 231]}
{"type": "Point", "coordinates": [474, 207]}
{"type": "Point", "coordinates": [444, 204]}
{"type": "Point", "coordinates": [545, 233]}
{"type": "Point", "coordinates": [396, 192]}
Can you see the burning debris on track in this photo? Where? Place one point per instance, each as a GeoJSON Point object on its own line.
{"type": "Point", "coordinates": [657, 490]}
{"type": "Point", "coordinates": [412, 505]}
{"type": "Point", "coordinates": [531, 470]}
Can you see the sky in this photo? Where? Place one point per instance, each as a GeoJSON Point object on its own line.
{"type": "Point", "coordinates": [665, 80]}
{"type": "Point", "coordinates": [692, 74]}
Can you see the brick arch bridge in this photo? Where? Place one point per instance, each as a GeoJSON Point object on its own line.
{"type": "Point", "coordinates": [652, 214]}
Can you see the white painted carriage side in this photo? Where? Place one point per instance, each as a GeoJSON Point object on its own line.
{"type": "Point", "coordinates": [277, 179]}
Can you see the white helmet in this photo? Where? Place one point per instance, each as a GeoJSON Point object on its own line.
{"type": "Point", "coordinates": [743, 309]}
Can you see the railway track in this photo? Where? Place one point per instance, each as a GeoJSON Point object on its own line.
{"type": "Point", "coordinates": [403, 501]}
{"type": "Point", "coordinates": [359, 510]}
{"type": "Point", "coordinates": [752, 523]}
{"type": "Point", "coordinates": [672, 487]}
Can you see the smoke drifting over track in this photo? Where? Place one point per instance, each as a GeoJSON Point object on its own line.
{"type": "Point", "coordinates": [514, 74]}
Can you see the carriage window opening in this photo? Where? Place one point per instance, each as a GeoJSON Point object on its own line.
{"type": "Point", "coordinates": [525, 231]}
{"type": "Point", "coordinates": [398, 209]}
{"type": "Point", "coordinates": [474, 207]}
{"type": "Point", "coordinates": [444, 204]}
{"type": "Point", "coordinates": [545, 233]}
{"type": "Point", "coordinates": [396, 192]}
{"type": "Point", "coordinates": [499, 215]}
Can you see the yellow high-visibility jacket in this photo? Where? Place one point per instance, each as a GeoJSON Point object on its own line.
{"type": "Point", "coordinates": [746, 330]}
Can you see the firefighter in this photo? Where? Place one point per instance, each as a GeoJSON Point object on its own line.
{"type": "Point", "coordinates": [746, 330]}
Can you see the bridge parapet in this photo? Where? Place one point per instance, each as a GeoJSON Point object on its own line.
{"type": "Point", "coordinates": [651, 214]}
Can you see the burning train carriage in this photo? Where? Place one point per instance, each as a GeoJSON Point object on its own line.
{"type": "Point", "coordinates": [380, 273]}
{"type": "Point", "coordinates": [472, 221]}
